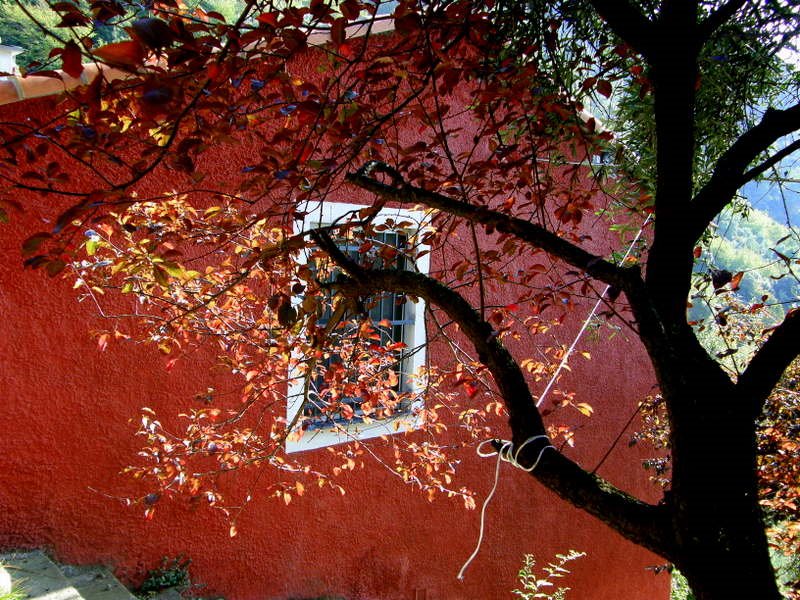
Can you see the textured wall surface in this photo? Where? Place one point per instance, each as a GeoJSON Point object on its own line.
{"type": "Point", "coordinates": [66, 434]}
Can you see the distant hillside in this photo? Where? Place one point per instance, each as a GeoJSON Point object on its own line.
{"type": "Point", "coordinates": [17, 28]}
{"type": "Point", "coordinates": [779, 202]}
{"type": "Point", "coordinates": [756, 246]}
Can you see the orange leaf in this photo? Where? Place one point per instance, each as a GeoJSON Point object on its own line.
{"type": "Point", "coordinates": [102, 342]}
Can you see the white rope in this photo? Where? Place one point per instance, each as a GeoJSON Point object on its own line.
{"type": "Point", "coordinates": [503, 455]}
{"type": "Point", "coordinates": [588, 320]}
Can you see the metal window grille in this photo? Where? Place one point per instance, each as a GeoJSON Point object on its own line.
{"type": "Point", "coordinates": [390, 307]}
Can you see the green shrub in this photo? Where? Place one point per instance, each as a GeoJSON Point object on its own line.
{"type": "Point", "coordinates": [173, 573]}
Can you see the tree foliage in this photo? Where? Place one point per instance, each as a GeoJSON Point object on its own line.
{"type": "Point", "coordinates": [476, 115]}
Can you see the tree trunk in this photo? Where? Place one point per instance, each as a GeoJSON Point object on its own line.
{"type": "Point", "coordinates": [721, 545]}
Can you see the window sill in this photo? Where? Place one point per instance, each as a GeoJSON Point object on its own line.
{"type": "Point", "coordinates": [352, 431]}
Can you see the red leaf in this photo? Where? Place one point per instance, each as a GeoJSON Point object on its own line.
{"type": "Point", "coordinates": [350, 9]}
{"type": "Point", "coordinates": [720, 277]}
{"type": "Point", "coordinates": [71, 60]}
{"type": "Point", "coordinates": [338, 31]}
{"type": "Point", "coordinates": [347, 411]}
{"type": "Point", "coordinates": [270, 18]}
{"type": "Point", "coordinates": [604, 87]}
{"type": "Point", "coordinates": [129, 54]}
{"type": "Point", "coordinates": [153, 33]}
{"type": "Point", "coordinates": [346, 51]}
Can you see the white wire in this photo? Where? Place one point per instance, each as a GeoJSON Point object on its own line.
{"type": "Point", "coordinates": [588, 320]}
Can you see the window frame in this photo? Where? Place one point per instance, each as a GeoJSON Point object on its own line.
{"type": "Point", "coordinates": [319, 214]}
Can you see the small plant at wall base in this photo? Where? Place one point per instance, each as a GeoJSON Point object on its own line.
{"type": "Point", "coordinates": [172, 574]}
{"type": "Point", "coordinates": [541, 585]}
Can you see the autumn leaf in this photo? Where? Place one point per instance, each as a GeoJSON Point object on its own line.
{"type": "Point", "coordinates": [126, 54]}
{"type": "Point", "coordinates": [71, 59]}
{"type": "Point", "coordinates": [604, 87]}
{"type": "Point", "coordinates": [153, 33]}
{"type": "Point", "coordinates": [102, 342]}
{"type": "Point", "coordinates": [720, 277]}
{"type": "Point", "coordinates": [736, 280]}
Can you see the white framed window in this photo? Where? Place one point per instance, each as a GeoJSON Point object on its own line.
{"type": "Point", "coordinates": [400, 228]}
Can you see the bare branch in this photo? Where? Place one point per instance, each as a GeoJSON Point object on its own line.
{"type": "Point", "coordinates": [719, 17]}
{"type": "Point", "coordinates": [769, 363]}
{"type": "Point", "coordinates": [771, 161]}
{"type": "Point", "coordinates": [628, 23]}
{"type": "Point", "coordinates": [729, 173]}
{"type": "Point", "coordinates": [399, 191]}
{"type": "Point", "coordinates": [638, 521]}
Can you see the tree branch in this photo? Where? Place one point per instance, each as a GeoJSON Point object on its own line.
{"type": "Point", "coordinates": [400, 191]}
{"type": "Point", "coordinates": [771, 161]}
{"type": "Point", "coordinates": [638, 521]}
{"type": "Point", "coordinates": [729, 174]}
{"type": "Point", "coordinates": [628, 23]}
{"type": "Point", "coordinates": [769, 363]}
{"type": "Point", "coordinates": [718, 18]}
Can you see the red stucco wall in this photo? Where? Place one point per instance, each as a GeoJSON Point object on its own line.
{"type": "Point", "coordinates": [66, 435]}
